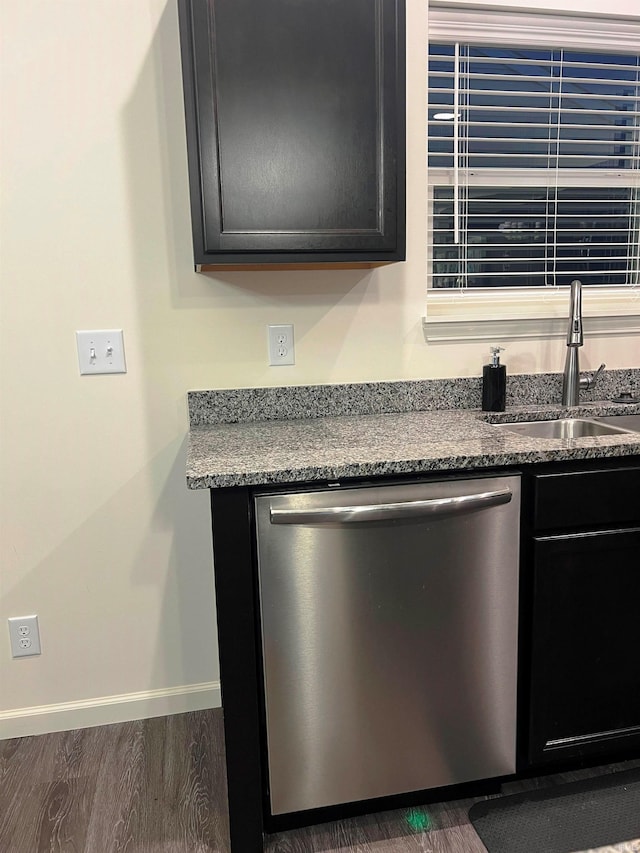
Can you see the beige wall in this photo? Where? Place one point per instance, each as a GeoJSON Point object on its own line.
{"type": "Point", "coordinates": [100, 536]}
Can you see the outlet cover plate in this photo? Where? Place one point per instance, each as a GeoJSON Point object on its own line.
{"type": "Point", "coordinates": [101, 351]}
{"type": "Point", "coordinates": [281, 344]}
{"type": "Point", "coordinates": [24, 635]}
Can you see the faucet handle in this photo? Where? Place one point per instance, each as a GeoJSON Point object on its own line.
{"type": "Point", "coordinates": [589, 382]}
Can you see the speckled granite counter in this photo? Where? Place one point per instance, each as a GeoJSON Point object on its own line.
{"type": "Point", "coordinates": [364, 444]}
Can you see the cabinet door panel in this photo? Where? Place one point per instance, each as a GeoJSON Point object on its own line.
{"type": "Point", "coordinates": [287, 121]}
{"type": "Point", "coordinates": [295, 142]}
{"type": "Point", "coordinates": [585, 661]}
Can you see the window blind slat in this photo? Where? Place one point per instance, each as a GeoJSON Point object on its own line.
{"type": "Point", "coordinates": [626, 114]}
{"type": "Point", "coordinates": [521, 56]}
{"type": "Point", "coordinates": [617, 82]}
{"type": "Point", "coordinates": [532, 124]}
{"type": "Point", "coordinates": [476, 140]}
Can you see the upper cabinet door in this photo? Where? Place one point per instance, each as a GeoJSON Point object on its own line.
{"type": "Point", "coordinates": [296, 130]}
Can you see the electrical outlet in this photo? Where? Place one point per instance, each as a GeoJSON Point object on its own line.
{"type": "Point", "coordinates": [281, 347]}
{"type": "Point", "coordinates": [101, 351]}
{"type": "Point", "coordinates": [24, 635]}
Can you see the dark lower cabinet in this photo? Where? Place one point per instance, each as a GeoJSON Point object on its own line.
{"type": "Point", "coordinates": [295, 131]}
{"type": "Point", "coordinates": [585, 588]}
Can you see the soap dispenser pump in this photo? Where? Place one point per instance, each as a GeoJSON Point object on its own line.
{"type": "Point", "coordinates": [494, 383]}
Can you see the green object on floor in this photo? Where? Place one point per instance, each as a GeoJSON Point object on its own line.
{"type": "Point", "coordinates": [419, 820]}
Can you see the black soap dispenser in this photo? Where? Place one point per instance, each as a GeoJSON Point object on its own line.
{"type": "Point", "coordinates": [494, 383]}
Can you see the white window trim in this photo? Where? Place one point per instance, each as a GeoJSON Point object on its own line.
{"type": "Point", "coordinates": [483, 315]}
{"type": "Point", "coordinates": [488, 314]}
{"type": "Point", "coordinates": [533, 28]}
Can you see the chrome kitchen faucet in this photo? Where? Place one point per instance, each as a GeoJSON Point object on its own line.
{"type": "Point", "coordinates": [571, 382]}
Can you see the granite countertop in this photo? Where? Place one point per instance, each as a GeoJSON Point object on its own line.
{"type": "Point", "coordinates": [259, 452]}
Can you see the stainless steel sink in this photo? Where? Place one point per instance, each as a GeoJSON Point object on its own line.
{"type": "Point", "coordinates": [630, 422]}
{"type": "Point", "coordinates": [567, 428]}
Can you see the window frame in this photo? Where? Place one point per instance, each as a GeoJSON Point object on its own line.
{"type": "Point", "coordinates": [521, 312]}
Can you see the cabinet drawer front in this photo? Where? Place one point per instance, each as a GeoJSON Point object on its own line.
{"type": "Point", "coordinates": [587, 498]}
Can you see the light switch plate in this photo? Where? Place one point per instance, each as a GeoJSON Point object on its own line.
{"type": "Point", "coordinates": [101, 351]}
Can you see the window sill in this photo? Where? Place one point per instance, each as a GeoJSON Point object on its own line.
{"type": "Point", "coordinates": [484, 315]}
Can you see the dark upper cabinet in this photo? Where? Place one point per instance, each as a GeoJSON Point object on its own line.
{"type": "Point", "coordinates": [295, 114]}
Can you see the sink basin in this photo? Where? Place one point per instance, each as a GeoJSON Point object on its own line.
{"type": "Point", "coordinates": [631, 422]}
{"type": "Point", "coordinates": [566, 428]}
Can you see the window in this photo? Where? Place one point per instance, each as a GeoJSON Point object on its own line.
{"type": "Point", "coordinates": [534, 153]}
{"type": "Point", "coordinates": [544, 118]}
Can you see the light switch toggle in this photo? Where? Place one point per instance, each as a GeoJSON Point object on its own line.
{"type": "Point", "coordinates": [101, 351]}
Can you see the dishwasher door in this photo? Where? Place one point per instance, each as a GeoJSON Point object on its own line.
{"type": "Point", "coordinates": [389, 630]}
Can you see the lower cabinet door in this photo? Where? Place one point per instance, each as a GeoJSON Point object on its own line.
{"type": "Point", "coordinates": [585, 665]}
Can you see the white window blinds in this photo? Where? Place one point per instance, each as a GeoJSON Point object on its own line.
{"type": "Point", "coordinates": [534, 166]}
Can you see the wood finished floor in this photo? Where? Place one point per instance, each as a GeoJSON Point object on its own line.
{"type": "Point", "coordinates": [158, 786]}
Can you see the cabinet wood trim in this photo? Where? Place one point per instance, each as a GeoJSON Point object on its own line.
{"type": "Point", "coordinates": [284, 267]}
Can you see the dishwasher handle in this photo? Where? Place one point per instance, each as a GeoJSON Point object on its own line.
{"type": "Point", "coordinates": [392, 511]}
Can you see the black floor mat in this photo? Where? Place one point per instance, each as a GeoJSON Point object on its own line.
{"type": "Point", "coordinates": [562, 818]}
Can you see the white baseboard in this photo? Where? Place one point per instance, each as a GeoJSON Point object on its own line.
{"type": "Point", "coordinates": [103, 710]}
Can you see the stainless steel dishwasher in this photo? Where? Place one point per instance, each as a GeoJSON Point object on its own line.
{"type": "Point", "coordinates": [389, 629]}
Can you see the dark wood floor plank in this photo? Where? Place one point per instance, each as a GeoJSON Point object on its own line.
{"type": "Point", "coordinates": [196, 787]}
{"type": "Point", "coordinates": [117, 797]}
{"type": "Point", "coordinates": [146, 827]}
{"type": "Point", "coordinates": [37, 754]}
{"type": "Point", "coordinates": [185, 808]}
{"type": "Point", "coordinates": [27, 765]}
{"type": "Point", "coordinates": [79, 753]}
{"type": "Point", "coordinates": [182, 787]}
{"type": "Point", "coordinates": [64, 815]}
